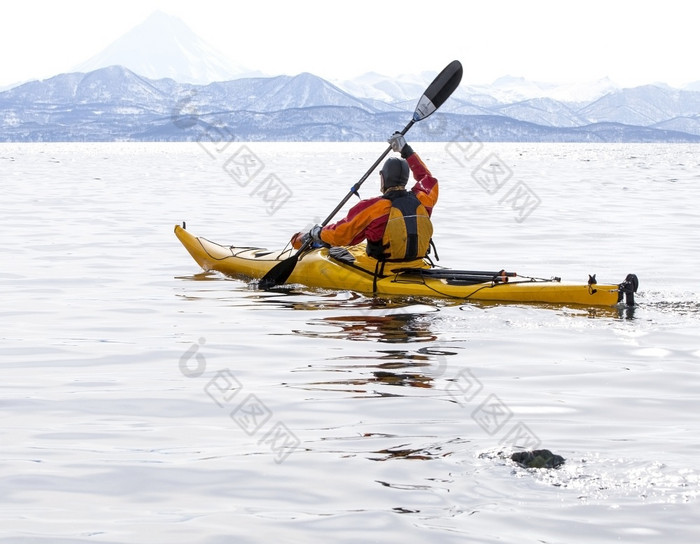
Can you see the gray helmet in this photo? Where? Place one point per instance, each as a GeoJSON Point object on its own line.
{"type": "Point", "coordinates": [394, 172]}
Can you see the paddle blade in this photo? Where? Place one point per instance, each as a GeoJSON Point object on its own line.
{"type": "Point", "coordinates": [279, 273]}
{"type": "Point", "coordinates": [439, 90]}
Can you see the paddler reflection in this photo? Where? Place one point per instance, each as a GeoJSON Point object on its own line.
{"type": "Point", "coordinates": [395, 367]}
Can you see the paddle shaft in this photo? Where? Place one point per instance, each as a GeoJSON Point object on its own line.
{"type": "Point", "coordinates": [355, 188]}
{"type": "Point", "coordinates": [435, 95]}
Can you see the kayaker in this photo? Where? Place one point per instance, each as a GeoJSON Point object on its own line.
{"type": "Point", "coordinates": [396, 224]}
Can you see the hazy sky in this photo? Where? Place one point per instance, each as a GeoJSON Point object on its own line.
{"type": "Point", "coordinates": [632, 42]}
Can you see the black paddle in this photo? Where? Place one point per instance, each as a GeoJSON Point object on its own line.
{"type": "Point", "coordinates": [435, 95]}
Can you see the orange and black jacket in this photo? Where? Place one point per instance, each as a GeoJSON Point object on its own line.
{"type": "Point", "coordinates": [368, 218]}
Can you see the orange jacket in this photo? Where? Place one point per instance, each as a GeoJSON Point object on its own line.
{"type": "Point", "coordinates": [367, 219]}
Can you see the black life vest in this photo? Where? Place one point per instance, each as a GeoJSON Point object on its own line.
{"type": "Point", "coordinates": [408, 229]}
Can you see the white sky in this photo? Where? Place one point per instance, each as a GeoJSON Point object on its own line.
{"type": "Point", "coordinates": [557, 41]}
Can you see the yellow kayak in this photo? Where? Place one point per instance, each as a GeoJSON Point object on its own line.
{"type": "Point", "coordinates": [350, 268]}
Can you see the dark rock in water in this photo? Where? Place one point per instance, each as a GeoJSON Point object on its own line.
{"type": "Point", "coordinates": [537, 459]}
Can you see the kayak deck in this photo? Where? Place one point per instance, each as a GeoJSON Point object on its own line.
{"type": "Point", "coordinates": [351, 269]}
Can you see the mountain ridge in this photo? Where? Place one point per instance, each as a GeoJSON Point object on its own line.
{"type": "Point", "coordinates": [114, 103]}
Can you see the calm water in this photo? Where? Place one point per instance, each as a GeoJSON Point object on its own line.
{"type": "Point", "coordinates": [143, 401]}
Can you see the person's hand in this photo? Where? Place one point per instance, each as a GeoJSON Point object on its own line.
{"type": "Point", "coordinates": [312, 238]}
{"type": "Point", "coordinates": [315, 234]}
{"type": "Point", "coordinates": [397, 142]}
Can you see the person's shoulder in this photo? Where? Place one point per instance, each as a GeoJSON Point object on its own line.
{"type": "Point", "coordinates": [366, 202]}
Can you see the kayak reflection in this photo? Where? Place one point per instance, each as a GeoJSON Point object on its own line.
{"type": "Point", "coordinates": [383, 374]}
{"type": "Point", "coordinates": [399, 328]}
{"type": "Point", "coordinates": [420, 368]}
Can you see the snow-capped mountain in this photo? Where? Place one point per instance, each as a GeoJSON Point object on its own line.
{"type": "Point", "coordinates": [510, 89]}
{"type": "Point", "coordinates": [165, 47]}
{"type": "Point", "coordinates": [504, 90]}
{"type": "Point", "coordinates": [644, 105]}
{"type": "Point", "coordinates": [387, 89]}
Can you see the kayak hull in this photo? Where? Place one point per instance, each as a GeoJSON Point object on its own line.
{"type": "Point", "coordinates": [356, 271]}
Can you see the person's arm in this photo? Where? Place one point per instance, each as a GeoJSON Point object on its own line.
{"type": "Point", "coordinates": [426, 186]}
{"type": "Point", "coordinates": [358, 225]}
